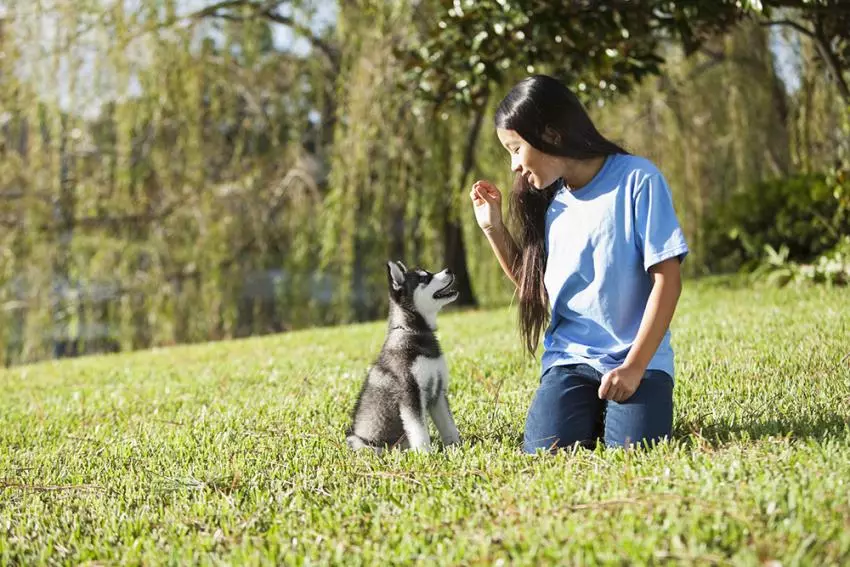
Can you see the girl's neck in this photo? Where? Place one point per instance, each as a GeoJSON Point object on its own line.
{"type": "Point", "coordinates": [579, 172]}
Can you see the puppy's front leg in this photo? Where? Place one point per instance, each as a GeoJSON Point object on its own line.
{"type": "Point", "coordinates": [415, 428]}
{"type": "Point", "coordinates": [442, 416]}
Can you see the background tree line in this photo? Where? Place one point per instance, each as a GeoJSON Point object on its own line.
{"type": "Point", "coordinates": [176, 171]}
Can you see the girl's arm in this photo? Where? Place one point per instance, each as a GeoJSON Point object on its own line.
{"type": "Point", "coordinates": [666, 289]}
{"type": "Point", "coordinates": [487, 203]}
{"type": "Point", "coordinates": [621, 383]}
{"type": "Point", "coordinates": [505, 249]}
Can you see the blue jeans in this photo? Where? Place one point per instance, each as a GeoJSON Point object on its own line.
{"type": "Point", "coordinates": [567, 410]}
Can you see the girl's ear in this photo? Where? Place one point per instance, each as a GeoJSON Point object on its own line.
{"type": "Point", "coordinates": [551, 136]}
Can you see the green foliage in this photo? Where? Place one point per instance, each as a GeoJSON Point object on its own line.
{"type": "Point", "coordinates": [396, 171]}
{"type": "Point", "coordinates": [176, 178]}
{"type": "Point", "coordinates": [830, 268]}
{"type": "Point", "coordinates": [207, 162]}
{"type": "Point", "coordinates": [596, 48]}
{"type": "Point", "coordinates": [799, 214]}
{"type": "Point", "coordinates": [384, 168]}
{"type": "Point", "coordinates": [826, 22]}
{"type": "Point", "coordinates": [838, 175]}
{"type": "Point", "coordinates": [234, 453]}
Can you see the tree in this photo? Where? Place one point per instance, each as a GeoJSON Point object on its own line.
{"type": "Point", "coordinates": [167, 199]}
{"type": "Point", "coordinates": [598, 48]}
{"type": "Point", "coordinates": [825, 22]}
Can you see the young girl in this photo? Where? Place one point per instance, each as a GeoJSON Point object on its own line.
{"type": "Point", "coordinates": [597, 255]}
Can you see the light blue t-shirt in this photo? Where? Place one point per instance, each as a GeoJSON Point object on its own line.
{"type": "Point", "coordinates": [601, 240]}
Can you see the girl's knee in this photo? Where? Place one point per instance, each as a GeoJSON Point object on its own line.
{"type": "Point", "coordinates": [646, 418]}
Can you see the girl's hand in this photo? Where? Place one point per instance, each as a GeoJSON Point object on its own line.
{"type": "Point", "coordinates": [619, 384]}
{"type": "Point", "coordinates": [487, 203]}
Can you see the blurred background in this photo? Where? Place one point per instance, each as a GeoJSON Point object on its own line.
{"type": "Point", "coordinates": [176, 171]}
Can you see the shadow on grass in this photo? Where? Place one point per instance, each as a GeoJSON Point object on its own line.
{"type": "Point", "coordinates": [692, 433]}
{"type": "Point", "coordinates": [817, 428]}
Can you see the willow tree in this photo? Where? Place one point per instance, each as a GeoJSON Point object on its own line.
{"type": "Point", "coordinates": [389, 167]}
{"type": "Point", "coordinates": [824, 23]}
{"type": "Point", "coordinates": [824, 27]}
{"type": "Point", "coordinates": [157, 169]}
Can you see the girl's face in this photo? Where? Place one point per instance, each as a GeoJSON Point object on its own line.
{"type": "Point", "coordinates": [538, 168]}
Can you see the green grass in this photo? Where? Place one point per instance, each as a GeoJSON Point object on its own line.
{"type": "Point", "coordinates": [234, 452]}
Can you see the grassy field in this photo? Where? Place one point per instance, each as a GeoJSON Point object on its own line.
{"type": "Point", "coordinates": [234, 452]}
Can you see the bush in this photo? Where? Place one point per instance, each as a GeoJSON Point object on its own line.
{"type": "Point", "coordinates": [801, 215]}
{"type": "Point", "coordinates": [831, 268]}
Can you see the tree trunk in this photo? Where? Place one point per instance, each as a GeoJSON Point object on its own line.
{"type": "Point", "coordinates": [63, 216]}
{"type": "Point", "coordinates": [454, 253]}
{"type": "Point", "coordinates": [824, 47]}
{"type": "Point", "coordinates": [455, 260]}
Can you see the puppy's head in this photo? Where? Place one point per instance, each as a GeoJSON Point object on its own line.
{"type": "Point", "coordinates": [420, 291]}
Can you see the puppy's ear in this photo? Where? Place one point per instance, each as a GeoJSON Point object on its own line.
{"type": "Point", "coordinates": [401, 265]}
{"type": "Point", "coordinates": [395, 274]}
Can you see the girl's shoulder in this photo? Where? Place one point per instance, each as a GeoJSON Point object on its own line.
{"type": "Point", "coordinates": [637, 169]}
{"type": "Point", "coordinates": [635, 163]}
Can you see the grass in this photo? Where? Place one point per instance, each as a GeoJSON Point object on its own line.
{"type": "Point", "coordinates": [234, 452]}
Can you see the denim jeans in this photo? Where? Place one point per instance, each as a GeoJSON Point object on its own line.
{"type": "Point", "coordinates": [567, 410]}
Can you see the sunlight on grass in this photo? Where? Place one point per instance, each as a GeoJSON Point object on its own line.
{"type": "Point", "coordinates": [235, 452]}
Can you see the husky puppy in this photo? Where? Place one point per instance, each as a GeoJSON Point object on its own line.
{"type": "Point", "coordinates": [409, 379]}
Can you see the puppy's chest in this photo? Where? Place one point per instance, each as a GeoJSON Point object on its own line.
{"type": "Point", "coordinates": [431, 374]}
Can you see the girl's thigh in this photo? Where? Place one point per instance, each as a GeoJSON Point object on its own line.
{"type": "Point", "coordinates": [565, 410]}
{"type": "Point", "coordinates": [644, 418]}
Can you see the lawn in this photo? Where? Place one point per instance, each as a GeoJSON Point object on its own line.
{"type": "Point", "coordinates": [234, 452]}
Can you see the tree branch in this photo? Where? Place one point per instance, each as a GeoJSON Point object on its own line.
{"type": "Point", "coordinates": [838, 6]}
{"type": "Point", "coordinates": [99, 221]}
{"type": "Point", "coordinates": [790, 23]}
{"type": "Point", "coordinates": [824, 48]}
{"type": "Point", "coordinates": [330, 52]}
{"type": "Point", "coordinates": [268, 11]}
{"type": "Point", "coordinates": [212, 10]}
{"type": "Point", "coordinates": [831, 60]}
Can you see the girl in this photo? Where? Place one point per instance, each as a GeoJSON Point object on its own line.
{"type": "Point", "coordinates": [597, 256]}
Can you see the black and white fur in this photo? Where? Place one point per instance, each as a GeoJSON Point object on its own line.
{"type": "Point", "coordinates": [410, 378]}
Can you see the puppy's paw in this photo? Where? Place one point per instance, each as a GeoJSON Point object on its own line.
{"type": "Point", "coordinates": [453, 439]}
{"type": "Point", "coordinates": [355, 443]}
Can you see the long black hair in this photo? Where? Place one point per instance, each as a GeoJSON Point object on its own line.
{"type": "Point", "coordinates": [547, 115]}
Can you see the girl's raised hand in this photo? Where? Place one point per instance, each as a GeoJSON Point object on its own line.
{"type": "Point", "coordinates": [487, 204]}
